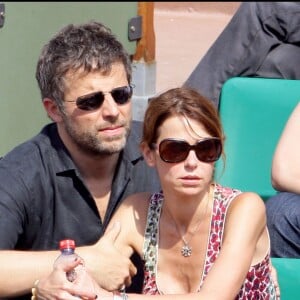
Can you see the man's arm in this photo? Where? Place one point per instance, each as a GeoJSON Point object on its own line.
{"type": "Point", "coordinates": [286, 161]}
{"type": "Point", "coordinates": [20, 269]}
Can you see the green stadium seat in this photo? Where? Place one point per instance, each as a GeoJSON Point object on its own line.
{"type": "Point", "coordinates": [253, 112]}
{"type": "Point", "coordinates": [288, 273]}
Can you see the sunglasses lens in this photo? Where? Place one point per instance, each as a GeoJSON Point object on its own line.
{"type": "Point", "coordinates": [173, 151]}
{"type": "Point", "coordinates": [122, 94]}
{"type": "Point", "coordinates": [209, 150]}
{"type": "Point", "coordinates": [90, 102]}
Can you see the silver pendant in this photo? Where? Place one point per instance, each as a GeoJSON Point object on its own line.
{"type": "Point", "coordinates": [186, 250]}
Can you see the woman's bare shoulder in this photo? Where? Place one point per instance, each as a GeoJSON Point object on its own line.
{"type": "Point", "coordinates": [247, 204]}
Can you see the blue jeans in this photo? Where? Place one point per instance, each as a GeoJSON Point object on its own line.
{"type": "Point", "coordinates": [283, 220]}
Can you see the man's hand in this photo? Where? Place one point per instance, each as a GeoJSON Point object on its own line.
{"type": "Point", "coordinates": [110, 268]}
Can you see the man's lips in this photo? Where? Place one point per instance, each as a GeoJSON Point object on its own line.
{"type": "Point", "coordinates": [112, 130]}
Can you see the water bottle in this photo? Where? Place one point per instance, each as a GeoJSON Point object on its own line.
{"type": "Point", "coordinates": [67, 252]}
{"type": "Point", "coordinates": [78, 275]}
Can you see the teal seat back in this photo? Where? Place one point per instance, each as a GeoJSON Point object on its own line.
{"type": "Point", "coordinates": [288, 273]}
{"type": "Point", "coordinates": [253, 112]}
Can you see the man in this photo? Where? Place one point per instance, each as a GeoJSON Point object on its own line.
{"type": "Point", "coordinates": [67, 181]}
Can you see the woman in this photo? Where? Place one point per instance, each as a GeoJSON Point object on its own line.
{"type": "Point", "coordinates": [196, 237]}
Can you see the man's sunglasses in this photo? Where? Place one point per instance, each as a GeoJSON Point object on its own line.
{"type": "Point", "coordinates": [93, 101]}
{"type": "Point", "coordinates": [174, 151]}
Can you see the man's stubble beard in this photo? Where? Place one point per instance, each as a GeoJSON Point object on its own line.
{"type": "Point", "coordinates": [89, 142]}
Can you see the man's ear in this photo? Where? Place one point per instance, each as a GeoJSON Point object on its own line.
{"type": "Point", "coordinates": [52, 110]}
{"type": "Point", "coordinates": [148, 154]}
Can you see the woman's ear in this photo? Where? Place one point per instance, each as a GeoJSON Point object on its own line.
{"type": "Point", "coordinates": [148, 154]}
{"type": "Point", "coordinates": [52, 110]}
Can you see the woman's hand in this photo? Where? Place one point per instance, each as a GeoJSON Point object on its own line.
{"type": "Point", "coordinates": [275, 280]}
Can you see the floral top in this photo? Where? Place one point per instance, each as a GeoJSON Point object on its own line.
{"type": "Point", "coordinates": [258, 285]}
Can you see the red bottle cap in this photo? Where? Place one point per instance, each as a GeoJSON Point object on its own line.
{"type": "Point", "coordinates": [64, 244]}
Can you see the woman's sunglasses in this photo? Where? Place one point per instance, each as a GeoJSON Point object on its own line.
{"type": "Point", "coordinates": [93, 101]}
{"type": "Point", "coordinates": [174, 151]}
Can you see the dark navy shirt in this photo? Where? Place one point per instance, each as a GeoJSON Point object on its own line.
{"type": "Point", "coordinates": [43, 198]}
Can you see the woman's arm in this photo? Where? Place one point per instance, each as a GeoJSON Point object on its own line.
{"type": "Point", "coordinates": [131, 215]}
{"type": "Point", "coordinates": [245, 243]}
{"type": "Point", "coordinates": [286, 160]}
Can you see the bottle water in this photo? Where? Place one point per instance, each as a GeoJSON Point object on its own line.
{"type": "Point", "coordinates": [67, 252]}
{"type": "Point", "coordinates": [78, 275]}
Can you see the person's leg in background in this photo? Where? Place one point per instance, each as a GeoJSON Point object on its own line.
{"type": "Point", "coordinates": [254, 31]}
{"type": "Point", "coordinates": [283, 221]}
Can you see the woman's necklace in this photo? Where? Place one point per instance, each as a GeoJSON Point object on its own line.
{"type": "Point", "coordinates": [186, 249]}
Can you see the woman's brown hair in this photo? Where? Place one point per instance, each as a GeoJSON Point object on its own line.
{"type": "Point", "coordinates": [180, 101]}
